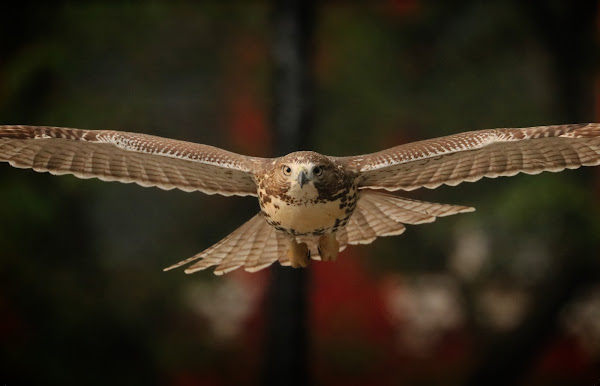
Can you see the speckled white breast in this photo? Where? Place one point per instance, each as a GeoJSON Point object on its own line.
{"type": "Point", "coordinates": [304, 219]}
{"type": "Point", "coordinates": [306, 215]}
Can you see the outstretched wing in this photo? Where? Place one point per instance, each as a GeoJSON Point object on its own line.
{"type": "Point", "coordinates": [380, 214]}
{"type": "Point", "coordinates": [487, 153]}
{"type": "Point", "coordinates": [255, 245]}
{"type": "Point", "coordinates": [128, 157]}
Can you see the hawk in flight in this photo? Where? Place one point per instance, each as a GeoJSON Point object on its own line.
{"type": "Point", "coordinates": [311, 205]}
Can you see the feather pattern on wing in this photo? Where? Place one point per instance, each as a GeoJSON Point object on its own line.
{"type": "Point", "coordinates": [255, 245]}
{"type": "Point", "coordinates": [487, 153]}
{"type": "Point", "coordinates": [380, 214]}
{"type": "Point", "coordinates": [128, 157]}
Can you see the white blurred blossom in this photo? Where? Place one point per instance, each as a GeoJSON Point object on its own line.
{"type": "Point", "coordinates": [423, 309]}
{"type": "Point", "coordinates": [471, 251]}
{"type": "Point", "coordinates": [582, 319]}
{"type": "Point", "coordinates": [502, 307]}
{"type": "Point", "coordinates": [225, 304]}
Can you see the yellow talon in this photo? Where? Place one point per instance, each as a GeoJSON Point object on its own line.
{"type": "Point", "coordinates": [299, 254]}
{"type": "Point", "coordinates": [328, 247]}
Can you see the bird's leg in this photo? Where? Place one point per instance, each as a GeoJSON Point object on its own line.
{"type": "Point", "coordinates": [299, 254]}
{"type": "Point", "coordinates": [328, 247]}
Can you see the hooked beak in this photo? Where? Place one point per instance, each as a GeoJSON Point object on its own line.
{"type": "Point", "coordinates": [302, 178]}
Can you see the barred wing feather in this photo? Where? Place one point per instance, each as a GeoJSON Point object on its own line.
{"type": "Point", "coordinates": [255, 245]}
{"type": "Point", "coordinates": [381, 214]}
{"type": "Point", "coordinates": [128, 157]}
{"type": "Point", "coordinates": [488, 153]}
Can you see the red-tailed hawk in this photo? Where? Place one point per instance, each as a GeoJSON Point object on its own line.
{"type": "Point", "coordinates": [312, 205]}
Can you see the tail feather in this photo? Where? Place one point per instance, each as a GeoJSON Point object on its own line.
{"type": "Point", "coordinates": [241, 249]}
{"type": "Point", "coordinates": [254, 245]}
{"type": "Point", "coordinates": [381, 214]}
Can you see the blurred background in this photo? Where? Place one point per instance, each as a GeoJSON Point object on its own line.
{"type": "Point", "coordinates": [509, 294]}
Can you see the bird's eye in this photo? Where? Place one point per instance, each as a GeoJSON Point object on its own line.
{"type": "Point", "coordinates": [317, 170]}
{"type": "Point", "coordinates": [286, 170]}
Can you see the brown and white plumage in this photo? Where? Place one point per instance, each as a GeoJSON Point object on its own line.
{"type": "Point", "coordinates": [380, 214]}
{"type": "Point", "coordinates": [128, 157]}
{"type": "Point", "coordinates": [310, 203]}
{"type": "Point", "coordinates": [255, 245]}
{"type": "Point", "coordinates": [472, 155]}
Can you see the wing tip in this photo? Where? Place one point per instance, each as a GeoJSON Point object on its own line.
{"type": "Point", "coordinates": [220, 271]}
{"type": "Point", "coordinates": [194, 269]}
{"type": "Point", "coordinates": [256, 268]}
{"type": "Point", "coordinates": [467, 209]}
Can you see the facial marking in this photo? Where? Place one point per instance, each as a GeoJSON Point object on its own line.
{"type": "Point", "coordinates": [305, 193]}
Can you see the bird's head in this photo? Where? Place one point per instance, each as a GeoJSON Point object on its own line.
{"type": "Point", "coordinates": [306, 174]}
{"type": "Point", "coordinates": [304, 168]}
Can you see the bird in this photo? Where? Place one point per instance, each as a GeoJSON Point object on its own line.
{"type": "Point", "coordinates": [311, 205]}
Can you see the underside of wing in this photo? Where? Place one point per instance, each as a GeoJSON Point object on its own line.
{"type": "Point", "coordinates": [255, 245]}
{"type": "Point", "coordinates": [128, 157]}
{"type": "Point", "coordinates": [473, 155]}
{"type": "Point", "coordinates": [380, 214]}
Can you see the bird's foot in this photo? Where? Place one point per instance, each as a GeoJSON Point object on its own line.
{"type": "Point", "coordinates": [328, 247]}
{"type": "Point", "coordinates": [299, 254]}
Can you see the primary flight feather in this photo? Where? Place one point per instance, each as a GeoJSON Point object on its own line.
{"type": "Point", "coordinates": [312, 205]}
